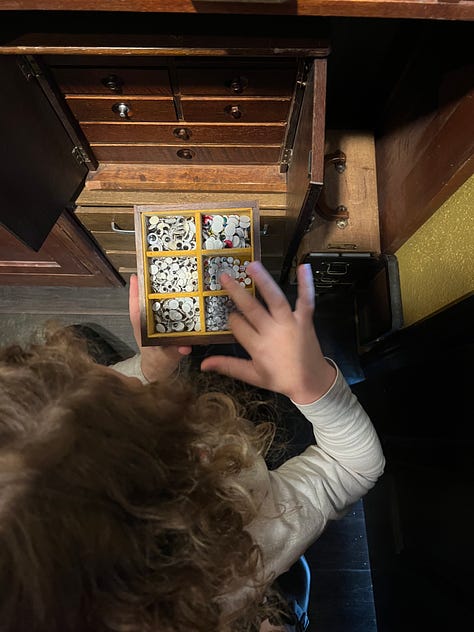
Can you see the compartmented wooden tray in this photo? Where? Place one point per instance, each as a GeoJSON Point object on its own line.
{"type": "Point", "coordinates": [181, 252]}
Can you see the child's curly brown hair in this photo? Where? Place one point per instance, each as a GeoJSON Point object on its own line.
{"type": "Point", "coordinates": [119, 505]}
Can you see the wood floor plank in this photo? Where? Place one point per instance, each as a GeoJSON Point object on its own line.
{"type": "Point", "coordinates": [63, 300]}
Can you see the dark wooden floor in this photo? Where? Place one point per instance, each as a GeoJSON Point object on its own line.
{"type": "Point", "coordinates": [25, 309]}
{"type": "Point", "coordinates": [341, 591]}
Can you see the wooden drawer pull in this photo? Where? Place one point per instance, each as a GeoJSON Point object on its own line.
{"type": "Point", "coordinates": [117, 229]}
{"type": "Point", "coordinates": [183, 133]}
{"type": "Point", "coordinates": [234, 111]}
{"type": "Point", "coordinates": [122, 109]}
{"type": "Point", "coordinates": [113, 83]}
{"type": "Point", "coordinates": [185, 154]}
{"type": "Point", "coordinates": [238, 85]}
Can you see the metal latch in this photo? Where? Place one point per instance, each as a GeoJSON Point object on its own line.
{"type": "Point", "coordinates": [286, 158]}
{"type": "Point", "coordinates": [29, 68]}
{"type": "Point", "coordinates": [337, 268]}
{"type": "Point", "coordinates": [79, 154]}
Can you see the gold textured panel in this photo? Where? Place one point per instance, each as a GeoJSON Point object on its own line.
{"type": "Point", "coordinates": [437, 263]}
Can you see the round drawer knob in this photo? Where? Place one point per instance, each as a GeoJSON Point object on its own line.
{"type": "Point", "coordinates": [122, 110]}
{"type": "Point", "coordinates": [183, 133]}
{"type": "Point", "coordinates": [234, 111]}
{"type": "Point", "coordinates": [185, 154]}
{"type": "Point", "coordinates": [113, 83]}
{"type": "Point", "coordinates": [238, 85]}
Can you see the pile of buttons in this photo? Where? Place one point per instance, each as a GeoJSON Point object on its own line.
{"type": "Point", "coordinates": [176, 232]}
{"type": "Point", "coordinates": [225, 231]}
{"type": "Point", "coordinates": [173, 274]}
{"type": "Point", "coordinates": [177, 314]}
{"type": "Point", "coordinates": [215, 266]}
{"type": "Point", "coordinates": [217, 310]}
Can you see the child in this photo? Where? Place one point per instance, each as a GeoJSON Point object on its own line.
{"type": "Point", "coordinates": [131, 501]}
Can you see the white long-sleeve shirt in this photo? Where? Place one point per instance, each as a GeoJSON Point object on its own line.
{"type": "Point", "coordinates": [321, 483]}
{"type": "Point", "coordinates": [299, 498]}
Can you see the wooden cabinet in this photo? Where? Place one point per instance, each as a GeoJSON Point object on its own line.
{"type": "Point", "coordinates": [198, 111]}
{"type": "Point", "coordinates": [192, 129]}
{"type": "Point", "coordinates": [158, 109]}
{"type": "Point", "coordinates": [198, 125]}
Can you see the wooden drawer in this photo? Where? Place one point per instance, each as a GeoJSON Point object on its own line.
{"type": "Point", "coordinates": [240, 109]}
{"type": "Point", "coordinates": [105, 108]}
{"type": "Point", "coordinates": [115, 241]}
{"type": "Point", "coordinates": [123, 259]}
{"type": "Point", "coordinates": [110, 80]}
{"type": "Point", "coordinates": [197, 154]}
{"type": "Point", "coordinates": [106, 224]}
{"type": "Point", "coordinates": [272, 236]}
{"type": "Point", "coordinates": [206, 133]}
{"type": "Point", "coordinates": [97, 218]}
{"type": "Point", "coordinates": [100, 218]}
{"type": "Point", "coordinates": [355, 188]}
{"type": "Point", "coordinates": [114, 230]}
{"type": "Point", "coordinates": [237, 80]}
{"type": "Point", "coordinates": [273, 243]}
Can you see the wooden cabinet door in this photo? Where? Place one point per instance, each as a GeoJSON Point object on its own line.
{"type": "Point", "coordinates": [306, 170]}
{"type": "Point", "coordinates": [68, 257]}
{"type": "Point", "coordinates": [41, 243]}
{"type": "Point", "coordinates": [40, 174]}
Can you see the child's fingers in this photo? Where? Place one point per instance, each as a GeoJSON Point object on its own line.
{"type": "Point", "coordinates": [246, 303]}
{"type": "Point", "coordinates": [185, 350]}
{"type": "Point", "coordinates": [134, 307]}
{"type": "Point", "coordinates": [271, 293]}
{"type": "Point", "coordinates": [305, 296]}
{"type": "Point", "coordinates": [237, 368]}
{"type": "Point", "coordinates": [243, 331]}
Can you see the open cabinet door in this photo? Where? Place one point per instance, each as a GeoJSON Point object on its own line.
{"type": "Point", "coordinates": [306, 170]}
{"type": "Point", "coordinates": [41, 242]}
{"type": "Point", "coordinates": [40, 174]}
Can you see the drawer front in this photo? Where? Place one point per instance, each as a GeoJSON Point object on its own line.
{"type": "Point", "coordinates": [273, 265]}
{"type": "Point", "coordinates": [237, 110]}
{"type": "Point", "coordinates": [100, 219]}
{"type": "Point", "coordinates": [272, 236]}
{"type": "Point", "coordinates": [135, 109]}
{"type": "Point", "coordinates": [122, 259]}
{"type": "Point", "coordinates": [197, 154]}
{"type": "Point", "coordinates": [273, 243]}
{"type": "Point", "coordinates": [115, 241]}
{"type": "Point", "coordinates": [120, 248]}
{"type": "Point", "coordinates": [232, 133]}
{"type": "Point", "coordinates": [235, 80]}
{"type": "Point", "coordinates": [113, 81]}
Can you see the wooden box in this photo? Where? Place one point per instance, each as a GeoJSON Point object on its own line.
{"type": "Point", "coordinates": [181, 251]}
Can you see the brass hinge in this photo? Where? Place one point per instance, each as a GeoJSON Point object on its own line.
{"type": "Point", "coordinates": [29, 68]}
{"type": "Point", "coordinates": [80, 155]}
{"type": "Point", "coordinates": [286, 158]}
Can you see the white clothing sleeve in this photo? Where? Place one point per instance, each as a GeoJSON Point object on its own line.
{"type": "Point", "coordinates": [302, 495]}
{"type": "Point", "coordinates": [131, 368]}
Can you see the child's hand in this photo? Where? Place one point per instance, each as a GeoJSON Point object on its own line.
{"type": "Point", "coordinates": [282, 344]}
{"type": "Point", "coordinates": [157, 363]}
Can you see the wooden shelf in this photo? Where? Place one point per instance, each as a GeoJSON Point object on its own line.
{"type": "Point", "coordinates": [144, 177]}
